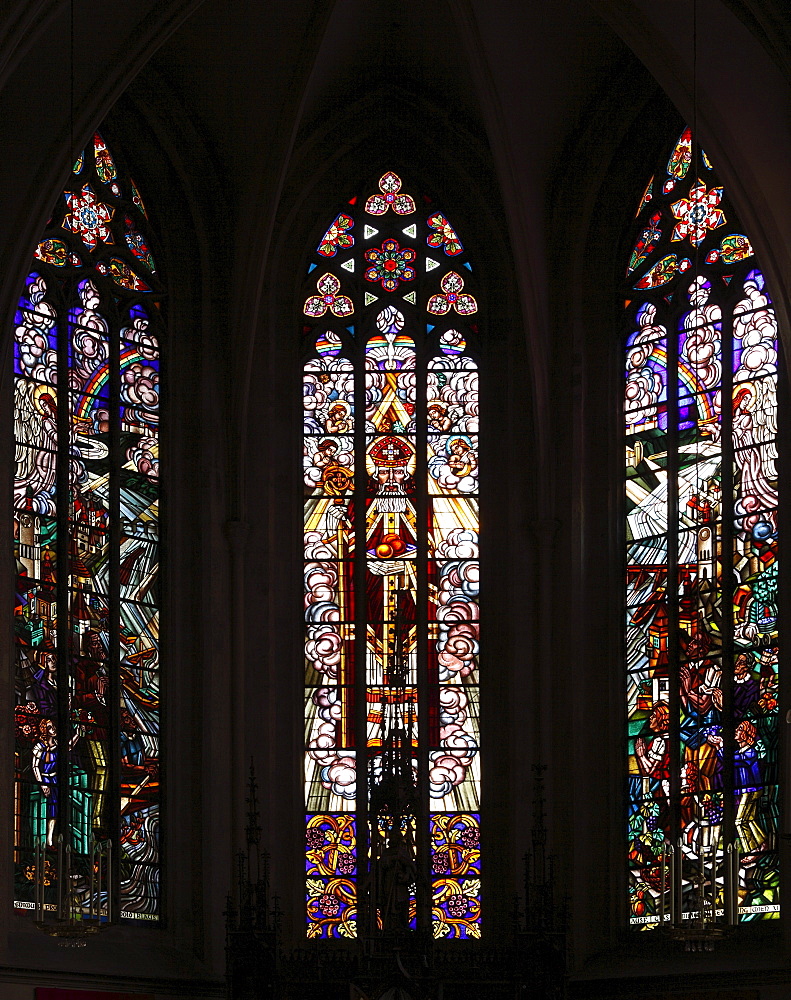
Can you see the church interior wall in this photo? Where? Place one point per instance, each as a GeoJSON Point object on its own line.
{"type": "Point", "coordinates": [246, 128]}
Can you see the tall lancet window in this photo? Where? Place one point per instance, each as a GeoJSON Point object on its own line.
{"type": "Point", "coordinates": [392, 767]}
{"type": "Point", "coordinates": [86, 390]}
{"type": "Point", "coordinates": [701, 553]}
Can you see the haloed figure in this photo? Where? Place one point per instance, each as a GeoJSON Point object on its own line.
{"type": "Point", "coordinates": [462, 460]}
{"type": "Point", "coordinates": [338, 420]}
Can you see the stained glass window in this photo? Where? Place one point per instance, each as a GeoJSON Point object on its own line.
{"type": "Point", "coordinates": [392, 766]}
{"type": "Point", "coordinates": [701, 555]}
{"type": "Point", "coordinates": [86, 429]}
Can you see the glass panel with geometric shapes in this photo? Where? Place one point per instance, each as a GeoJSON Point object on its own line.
{"type": "Point", "coordinates": [86, 498]}
{"type": "Point", "coordinates": [390, 460]}
{"type": "Point", "coordinates": [701, 556]}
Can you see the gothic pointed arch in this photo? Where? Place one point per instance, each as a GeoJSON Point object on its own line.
{"type": "Point", "coordinates": [392, 772]}
{"type": "Point", "coordinates": [87, 336]}
{"type": "Point", "coordinates": [701, 481]}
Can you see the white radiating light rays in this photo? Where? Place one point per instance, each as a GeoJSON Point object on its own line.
{"type": "Point", "coordinates": [680, 646]}
{"type": "Point", "coordinates": [415, 571]}
{"type": "Point", "coordinates": [452, 408]}
{"type": "Point", "coordinates": [330, 772]}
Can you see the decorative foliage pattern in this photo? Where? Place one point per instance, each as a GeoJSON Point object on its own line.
{"type": "Point", "coordinates": [732, 249]}
{"type": "Point", "coordinates": [122, 274]}
{"type": "Point", "coordinates": [137, 244]}
{"type": "Point", "coordinates": [105, 165]}
{"type": "Point", "coordinates": [337, 236]}
{"type": "Point", "coordinates": [444, 235]}
{"type": "Point", "coordinates": [331, 846]}
{"type": "Point", "coordinates": [648, 194]}
{"type": "Point", "coordinates": [455, 844]}
{"type": "Point", "coordinates": [681, 157]}
{"type": "Point", "coordinates": [702, 567]}
{"type": "Point", "coordinates": [136, 199]}
{"type": "Point", "coordinates": [87, 470]}
{"type": "Point", "coordinates": [456, 908]}
{"type": "Point", "coordinates": [391, 423]}
{"type": "Point", "coordinates": [331, 908]}
{"type": "Point", "coordinates": [53, 252]}
{"type": "Point", "coordinates": [646, 242]}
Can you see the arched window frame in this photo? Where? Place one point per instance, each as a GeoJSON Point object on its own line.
{"type": "Point", "coordinates": [353, 305]}
{"type": "Point", "coordinates": [695, 736]}
{"type": "Point", "coordinates": [90, 317]}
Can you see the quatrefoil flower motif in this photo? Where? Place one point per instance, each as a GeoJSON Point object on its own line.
{"type": "Point", "coordinates": [452, 298]}
{"type": "Point", "coordinates": [339, 305]}
{"type": "Point", "coordinates": [390, 186]}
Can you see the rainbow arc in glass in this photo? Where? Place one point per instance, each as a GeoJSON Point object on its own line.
{"type": "Point", "coordinates": [701, 635]}
{"type": "Point", "coordinates": [390, 465]}
{"type": "Point", "coordinates": [86, 543]}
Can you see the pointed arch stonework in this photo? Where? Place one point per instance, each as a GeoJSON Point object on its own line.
{"type": "Point", "coordinates": [701, 555]}
{"type": "Point", "coordinates": [392, 765]}
{"type": "Point", "coordinates": [87, 336]}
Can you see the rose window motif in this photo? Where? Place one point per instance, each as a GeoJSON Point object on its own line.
{"type": "Point", "coordinates": [389, 265]}
{"type": "Point", "coordinates": [697, 214]}
{"type": "Point", "coordinates": [88, 217]}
